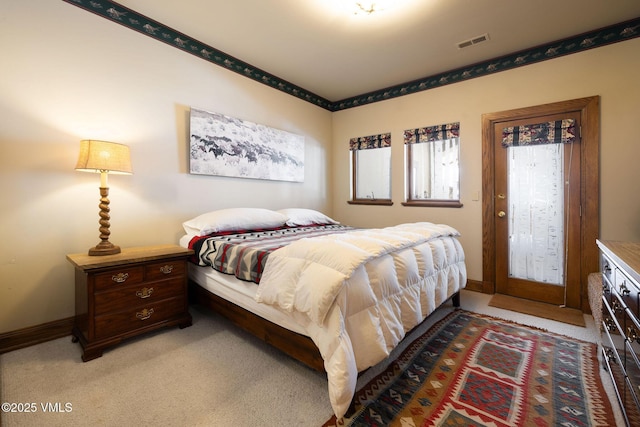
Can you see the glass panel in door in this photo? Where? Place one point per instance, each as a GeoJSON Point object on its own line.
{"type": "Point", "coordinates": [537, 216]}
{"type": "Point", "coordinates": [536, 213]}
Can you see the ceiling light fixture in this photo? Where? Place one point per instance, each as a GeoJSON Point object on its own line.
{"type": "Point", "coordinates": [367, 7]}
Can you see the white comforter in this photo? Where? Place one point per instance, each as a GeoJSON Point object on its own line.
{"type": "Point", "coordinates": [358, 293]}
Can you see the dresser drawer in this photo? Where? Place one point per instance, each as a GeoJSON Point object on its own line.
{"type": "Point", "coordinates": [607, 290]}
{"type": "Point", "coordinates": [631, 404]}
{"type": "Point", "coordinates": [632, 332]}
{"type": "Point", "coordinates": [165, 269]}
{"type": "Point", "coordinates": [633, 369]}
{"type": "Point", "coordinates": [613, 351]}
{"type": "Point", "coordinates": [137, 294]}
{"type": "Point", "coordinates": [135, 318]}
{"type": "Point", "coordinates": [122, 276]}
{"type": "Point", "coordinates": [613, 316]}
{"type": "Point", "coordinates": [607, 268]}
{"type": "Point", "coordinates": [628, 291]}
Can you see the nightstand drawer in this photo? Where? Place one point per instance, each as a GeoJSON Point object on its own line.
{"type": "Point", "coordinates": [136, 318]}
{"type": "Point", "coordinates": [138, 294]}
{"type": "Point", "coordinates": [127, 275]}
{"type": "Point", "coordinates": [165, 270]}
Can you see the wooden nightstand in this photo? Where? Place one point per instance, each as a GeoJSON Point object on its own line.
{"type": "Point", "coordinates": [127, 294]}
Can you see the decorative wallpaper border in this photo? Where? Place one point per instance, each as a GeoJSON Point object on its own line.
{"type": "Point", "coordinates": [613, 34]}
{"type": "Point", "coordinates": [131, 19]}
{"type": "Point", "coordinates": [124, 16]}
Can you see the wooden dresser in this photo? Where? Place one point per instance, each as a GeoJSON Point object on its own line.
{"type": "Point", "coordinates": [120, 296]}
{"type": "Point", "coordinates": [620, 266]}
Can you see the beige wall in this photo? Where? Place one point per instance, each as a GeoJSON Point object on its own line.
{"type": "Point", "coordinates": [610, 72]}
{"type": "Point", "coordinates": [67, 75]}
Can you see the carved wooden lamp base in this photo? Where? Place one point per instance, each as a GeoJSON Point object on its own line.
{"type": "Point", "coordinates": [105, 247]}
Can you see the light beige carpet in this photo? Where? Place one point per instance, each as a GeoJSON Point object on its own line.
{"type": "Point", "coordinates": [539, 309]}
{"type": "Point", "coordinates": [210, 374]}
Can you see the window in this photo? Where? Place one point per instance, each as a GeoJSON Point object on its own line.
{"type": "Point", "coordinates": [371, 170]}
{"type": "Point", "coordinates": [433, 171]}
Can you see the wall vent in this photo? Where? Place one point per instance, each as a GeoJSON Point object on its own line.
{"type": "Point", "coordinates": [475, 40]}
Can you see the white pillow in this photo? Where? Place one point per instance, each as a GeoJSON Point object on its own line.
{"type": "Point", "coordinates": [298, 216]}
{"type": "Point", "coordinates": [233, 219]}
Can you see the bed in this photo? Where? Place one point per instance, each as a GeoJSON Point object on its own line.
{"type": "Point", "coordinates": [337, 298]}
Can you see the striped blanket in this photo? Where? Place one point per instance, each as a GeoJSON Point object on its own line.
{"type": "Point", "coordinates": [244, 254]}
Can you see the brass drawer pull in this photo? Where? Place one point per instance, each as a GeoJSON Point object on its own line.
{"type": "Point", "coordinates": [144, 293]}
{"type": "Point", "coordinates": [166, 269]}
{"type": "Point", "coordinates": [624, 291]}
{"type": "Point", "coordinates": [609, 324]}
{"type": "Point", "coordinates": [144, 314]}
{"type": "Point", "coordinates": [120, 277]}
{"type": "Point", "coordinates": [616, 307]}
{"type": "Point", "coordinates": [610, 356]}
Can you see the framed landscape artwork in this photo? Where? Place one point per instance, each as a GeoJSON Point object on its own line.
{"type": "Point", "coordinates": [225, 146]}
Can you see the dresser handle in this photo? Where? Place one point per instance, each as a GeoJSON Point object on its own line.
{"type": "Point", "coordinates": [144, 293]}
{"type": "Point", "coordinates": [632, 334]}
{"type": "Point", "coordinates": [120, 277]}
{"type": "Point", "coordinates": [623, 289]}
{"type": "Point", "coordinates": [616, 307]}
{"type": "Point", "coordinates": [166, 269]}
{"type": "Point", "coordinates": [610, 357]}
{"type": "Point", "coordinates": [144, 314]}
{"type": "Point", "coordinates": [608, 322]}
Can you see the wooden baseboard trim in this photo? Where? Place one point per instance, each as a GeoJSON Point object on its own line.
{"type": "Point", "coordinates": [33, 335]}
{"type": "Point", "coordinates": [474, 285]}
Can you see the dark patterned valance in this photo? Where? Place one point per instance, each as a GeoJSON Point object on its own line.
{"type": "Point", "coordinates": [131, 19]}
{"type": "Point", "coordinates": [432, 133]}
{"type": "Point", "coordinates": [374, 141]}
{"type": "Point", "coordinates": [557, 132]}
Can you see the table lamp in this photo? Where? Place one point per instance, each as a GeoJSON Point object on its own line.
{"type": "Point", "coordinates": [104, 157]}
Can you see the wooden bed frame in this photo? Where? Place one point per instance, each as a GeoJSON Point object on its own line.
{"type": "Point", "coordinates": [298, 346]}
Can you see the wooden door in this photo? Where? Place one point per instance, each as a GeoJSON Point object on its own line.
{"type": "Point", "coordinates": [582, 252]}
{"type": "Point", "coordinates": [537, 219]}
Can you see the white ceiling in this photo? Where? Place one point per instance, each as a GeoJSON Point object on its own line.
{"type": "Point", "coordinates": [336, 54]}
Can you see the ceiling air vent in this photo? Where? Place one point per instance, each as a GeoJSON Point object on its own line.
{"type": "Point", "coordinates": [475, 40]}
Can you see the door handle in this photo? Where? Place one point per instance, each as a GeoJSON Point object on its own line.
{"type": "Point", "coordinates": [501, 214]}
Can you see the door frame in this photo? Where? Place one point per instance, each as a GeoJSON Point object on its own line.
{"type": "Point", "coordinates": [589, 109]}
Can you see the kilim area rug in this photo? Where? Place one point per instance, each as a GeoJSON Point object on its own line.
{"type": "Point", "coordinates": [474, 370]}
